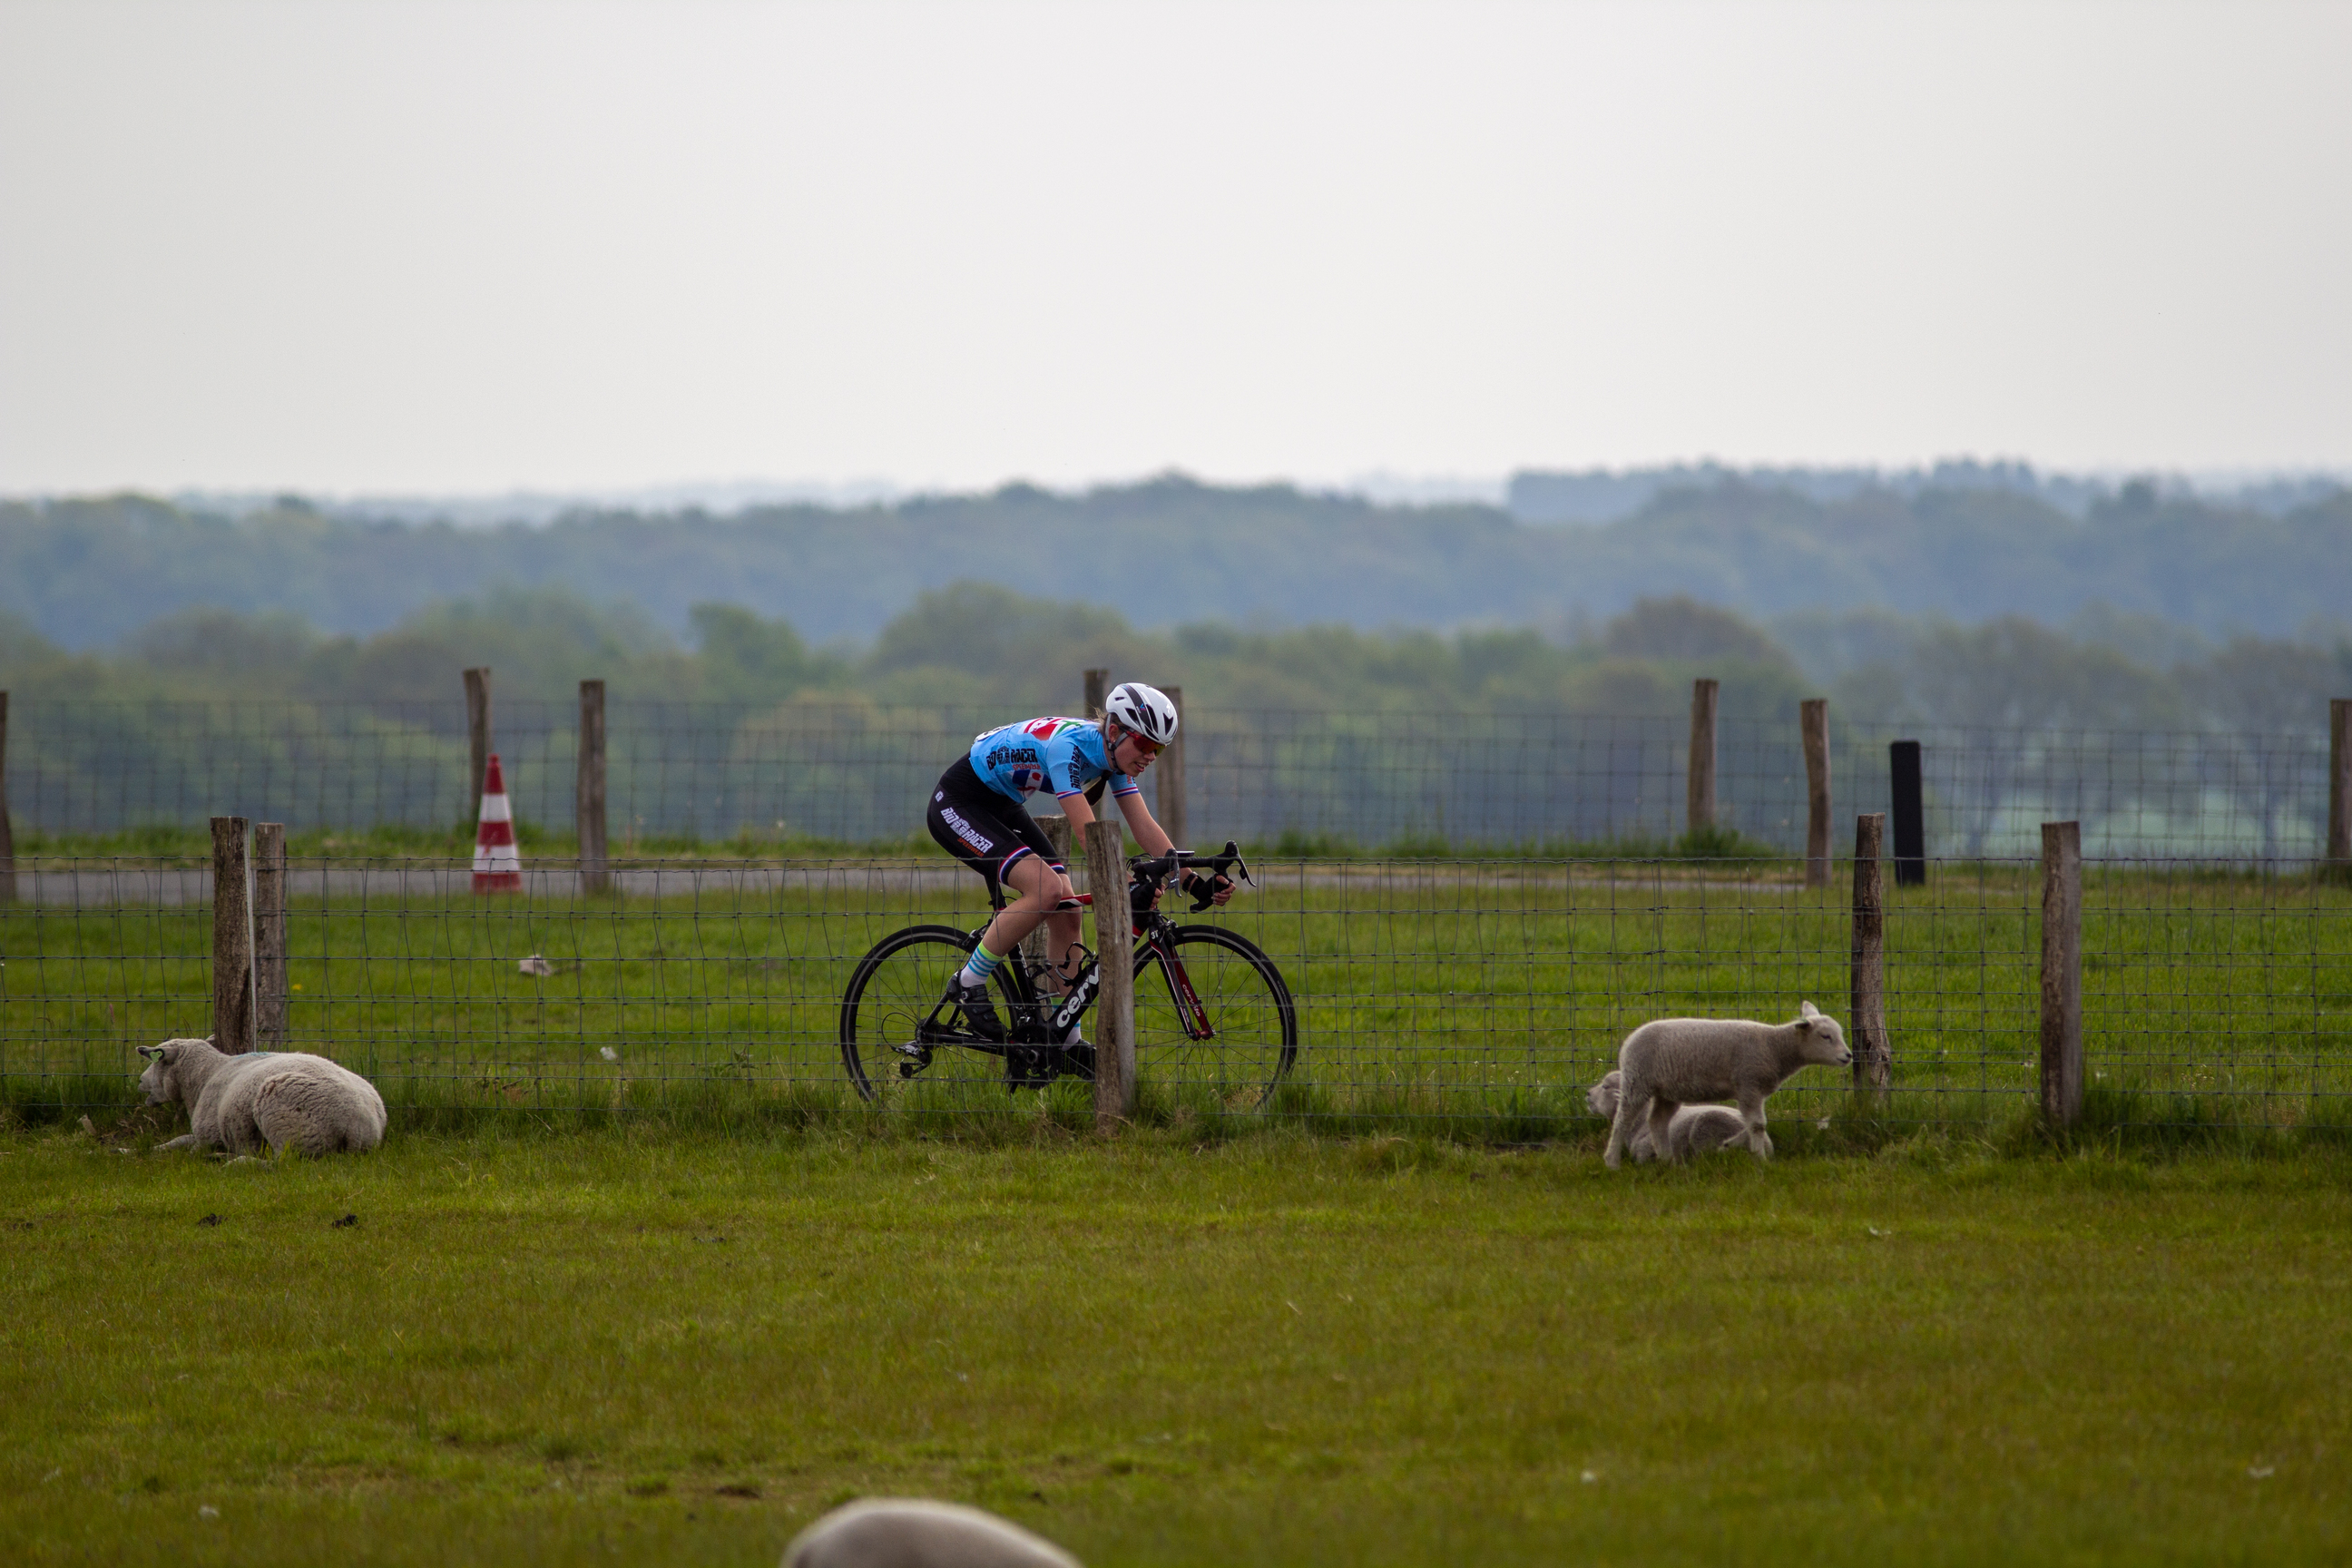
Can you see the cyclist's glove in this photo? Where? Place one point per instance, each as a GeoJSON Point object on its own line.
{"type": "Point", "coordinates": [1204, 890]}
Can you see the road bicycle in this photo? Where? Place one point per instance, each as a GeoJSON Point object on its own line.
{"type": "Point", "coordinates": [1214, 1019]}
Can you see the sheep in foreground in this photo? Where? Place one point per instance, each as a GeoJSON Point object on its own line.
{"type": "Point", "coordinates": [909, 1533]}
{"type": "Point", "coordinates": [277, 1098]}
{"type": "Point", "coordinates": [1696, 1129]}
{"type": "Point", "coordinates": [1669, 1062]}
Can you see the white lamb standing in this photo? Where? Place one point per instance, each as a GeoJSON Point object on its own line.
{"type": "Point", "coordinates": [1696, 1129]}
{"type": "Point", "coordinates": [277, 1098]}
{"type": "Point", "coordinates": [1669, 1062]}
{"type": "Point", "coordinates": [911, 1532]}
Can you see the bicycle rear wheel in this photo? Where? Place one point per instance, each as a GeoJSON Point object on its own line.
{"type": "Point", "coordinates": [1229, 1052]}
{"type": "Point", "coordinates": [899, 1039]}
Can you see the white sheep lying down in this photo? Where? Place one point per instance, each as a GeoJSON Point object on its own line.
{"type": "Point", "coordinates": [1696, 1129]}
{"type": "Point", "coordinates": [277, 1098]}
{"type": "Point", "coordinates": [1670, 1062]}
{"type": "Point", "coordinates": [912, 1532]}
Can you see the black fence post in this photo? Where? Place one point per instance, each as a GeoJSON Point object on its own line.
{"type": "Point", "coordinates": [1910, 815]}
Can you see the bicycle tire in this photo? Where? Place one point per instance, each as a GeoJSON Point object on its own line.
{"type": "Point", "coordinates": [1248, 1005]}
{"type": "Point", "coordinates": [895, 998]}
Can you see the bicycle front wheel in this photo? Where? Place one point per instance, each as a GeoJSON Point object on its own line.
{"type": "Point", "coordinates": [898, 1036]}
{"type": "Point", "coordinates": [1216, 1027]}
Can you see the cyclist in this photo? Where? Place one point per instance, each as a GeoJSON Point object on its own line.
{"type": "Point", "coordinates": [977, 814]}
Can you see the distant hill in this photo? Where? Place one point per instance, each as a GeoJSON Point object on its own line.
{"type": "Point", "coordinates": [89, 572]}
{"type": "Point", "coordinates": [1612, 495]}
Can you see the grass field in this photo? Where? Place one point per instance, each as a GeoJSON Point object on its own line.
{"type": "Point", "coordinates": [1478, 990]}
{"type": "Point", "coordinates": [655, 1344]}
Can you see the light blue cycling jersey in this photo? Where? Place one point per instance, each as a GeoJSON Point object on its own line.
{"type": "Point", "coordinates": [1064, 755]}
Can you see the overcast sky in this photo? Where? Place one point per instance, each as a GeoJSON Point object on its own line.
{"type": "Point", "coordinates": [348, 247]}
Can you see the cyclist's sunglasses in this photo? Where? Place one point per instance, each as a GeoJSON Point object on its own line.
{"type": "Point", "coordinates": [1147, 749]}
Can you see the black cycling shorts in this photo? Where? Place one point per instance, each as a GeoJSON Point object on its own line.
{"type": "Point", "coordinates": [982, 828]}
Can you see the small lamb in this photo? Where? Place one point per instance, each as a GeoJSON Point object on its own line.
{"type": "Point", "coordinates": [911, 1532]}
{"type": "Point", "coordinates": [1670, 1062]}
{"type": "Point", "coordinates": [1696, 1129]}
{"type": "Point", "coordinates": [277, 1098]}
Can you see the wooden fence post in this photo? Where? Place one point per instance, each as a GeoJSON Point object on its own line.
{"type": "Point", "coordinates": [1170, 769]}
{"type": "Point", "coordinates": [478, 738]}
{"type": "Point", "coordinates": [1114, 948]}
{"type": "Point", "coordinates": [1873, 1054]}
{"type": "Point", "coordinates": [269, 936]}
{"type": "Point", "coordinates": [1058, 834]}
{"type": "Point", "coordinates": [2062, 972]}
{"type": "Point", "coordinates": [588, 798]}
{"type": "Point", "coordinates": [1702, 753]}
{"type": "Point", "coordinates": [7, 833]}
{"type": "Point", "coordinates": [232, 939]}
{"type": "Point", "coordinates": [2339, 781]}
{"type": "Point", "coordinates": [1098, 691]}
{"type": "Point", "coordinates": [1815, 720]}
{"type": "Point", "coordinates": [1908, 795]}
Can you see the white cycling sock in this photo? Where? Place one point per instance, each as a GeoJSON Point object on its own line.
{"type": "Point", "coordinates": [982, 964]}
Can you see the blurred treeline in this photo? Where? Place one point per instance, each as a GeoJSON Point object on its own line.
{"type": "Point", "coordinates": [1172, 552]}
{"type": "Point", "coordinates": [975, 646]}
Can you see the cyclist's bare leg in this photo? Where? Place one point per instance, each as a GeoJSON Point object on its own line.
{"type": "Point", "coordinates": [1062, 934]}
{"type": "Point", "coordinates": [1039, 888]}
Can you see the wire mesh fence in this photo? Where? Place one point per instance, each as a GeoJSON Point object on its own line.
{"type": "Point", "coordinates": [1467, 988]}
{"type": "Point", "coordinates": [851, 771]}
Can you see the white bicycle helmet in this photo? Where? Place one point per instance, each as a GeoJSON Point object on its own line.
{"type": "Point", "coordinates": [1143, 710]}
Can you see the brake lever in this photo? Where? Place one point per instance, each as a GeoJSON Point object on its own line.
{"type": "Point", "coordinates": [1217, 864]}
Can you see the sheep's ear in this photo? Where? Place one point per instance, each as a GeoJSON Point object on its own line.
{"type": "Point", "coordinates": [153, 1053]}
{"type": "Point", "coordinates": [1808, 1012]}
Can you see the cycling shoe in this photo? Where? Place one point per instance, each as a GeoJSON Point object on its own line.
{"type": "Point", "coordinates": [979, 1012]}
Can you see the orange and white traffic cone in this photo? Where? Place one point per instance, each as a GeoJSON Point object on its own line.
{"type": "Point", "coordinates": [498, 864]}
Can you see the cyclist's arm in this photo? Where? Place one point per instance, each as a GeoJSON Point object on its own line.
{"type": "Point", "coordinates": [1148, 835]}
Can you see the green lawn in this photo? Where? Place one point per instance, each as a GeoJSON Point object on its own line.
{"type": "Point", "coordinates": [654, 1344]}
{"type": "Point", "coordinates": [1475, 989]}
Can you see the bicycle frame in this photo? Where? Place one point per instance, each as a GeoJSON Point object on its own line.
{"type": "Point", "coordinates": [1154, 934]}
